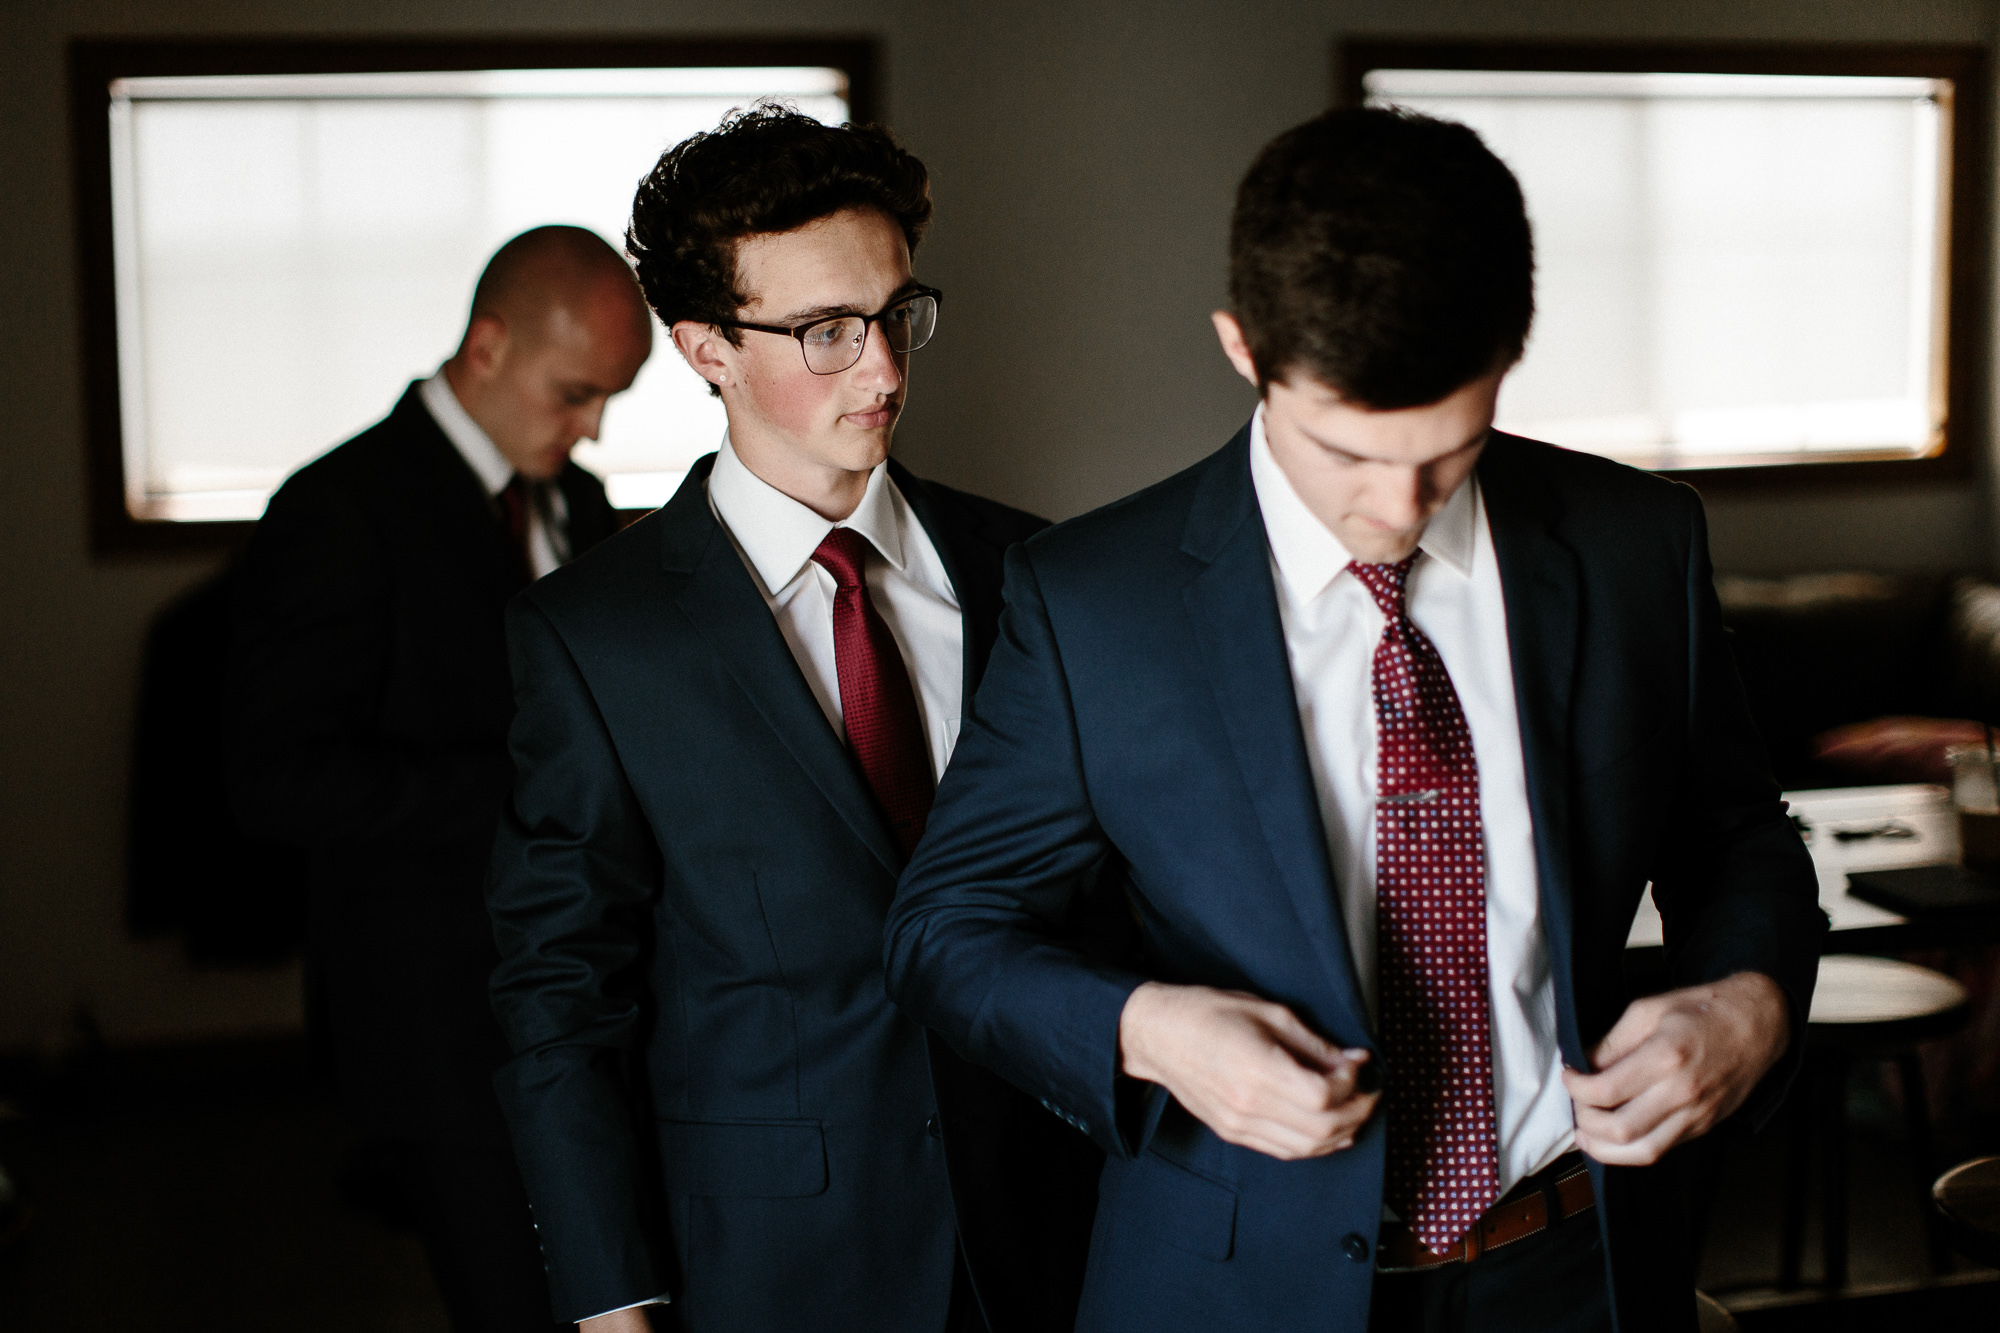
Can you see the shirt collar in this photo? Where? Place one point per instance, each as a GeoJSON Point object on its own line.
{"type": "Point", "coordinates": [473, 444]}
{"type": "Point", "coordinates": [779, 534]}
{"type": "Point", "coordinates": [1309, 556]}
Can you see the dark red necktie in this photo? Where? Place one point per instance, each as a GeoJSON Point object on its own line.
{"type": "Point", "coordinates": [879, 708]}
{"type": "Point", "coordinates": [1430, 888]}
{"type": "Point", "coordinates": [514, 502]}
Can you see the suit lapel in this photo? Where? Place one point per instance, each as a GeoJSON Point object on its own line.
{"type": "Point", "coordinates": [724, 606]}
{"type": "Point", "coordinates": [591, 518]}
{"type": "Point", "coordinates": [470, 528]}
{"type": "Point", "coordinates": [1539, 582]}
{"type": "Point", "coordinates": [1234, 608]}
{"type": "Point", "coordinates": [972, 565]}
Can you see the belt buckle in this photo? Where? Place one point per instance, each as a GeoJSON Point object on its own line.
{"type": "Point", "coordinates": [1399, 1232]}
{"type": "Point", "coordinates": [1475, 1241]}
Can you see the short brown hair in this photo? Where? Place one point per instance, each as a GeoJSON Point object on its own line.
{"type": "Point", "coordinates": [764, 169]}
{"type": "Point", "coordinates": [1386, 254]}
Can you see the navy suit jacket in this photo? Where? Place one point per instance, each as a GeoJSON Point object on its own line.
{"type": "Point", "coordinates": [712, 1094]}
{"type": "Point", "coordinates": [1137, 721]}
{"type": "Point", "coordinates": [369, 707]}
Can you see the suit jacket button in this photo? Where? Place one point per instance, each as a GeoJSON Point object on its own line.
{"type": "Point", "coordinates": [931, 1128]}
{"type": "Point", "coordinates": [1354, 1247]}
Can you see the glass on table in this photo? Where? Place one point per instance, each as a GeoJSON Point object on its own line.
{"type": "Point", "coordinates": [1975, 791]}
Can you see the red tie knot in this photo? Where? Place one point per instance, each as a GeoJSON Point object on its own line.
{"type": "Point", "coordinates": [844, 555]}
{"type": "Point", "coordinates": [1385, 584]}
{"type": "Point", "coordinates": [514, 501]}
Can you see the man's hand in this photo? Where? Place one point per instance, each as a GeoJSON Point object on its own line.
{"type": "Point", "coordinates": [1246, 1068]}
{"type": "Point", "coordinates": [1676, 1065]}
{"type": "Point", "coordinates": [633, 1320]}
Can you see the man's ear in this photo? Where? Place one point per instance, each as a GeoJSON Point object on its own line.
{"type": "Point", "coordinates": [702, 346]}
{"type": "Point", "coordinates": [1236, 347]}
{"type": "Point", "coordinates": [485, 346]}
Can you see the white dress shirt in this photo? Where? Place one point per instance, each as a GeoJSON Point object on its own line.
{"type": "Point", "coordinates": [776, 536]}
{"type": "Point", "coordinates": [548, 515]}
{"type": "Point", "coordinates": [1331, 628]}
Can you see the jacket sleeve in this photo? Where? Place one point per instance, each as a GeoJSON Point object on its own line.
{"type": "Point", "coordinates": [1734, 884]}
{"type": "Point", "coordinates": [978, 945]}
{"type": "Point", "coordinates": [575, 871]}
{"type": "Point", "coordinates": [310, 660]}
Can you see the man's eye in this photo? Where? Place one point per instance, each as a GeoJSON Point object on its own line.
{"type": "Point", "coordinates": [829, 333]}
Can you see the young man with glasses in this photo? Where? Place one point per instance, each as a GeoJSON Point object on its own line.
{"type": "Point", "coordinates": [731, 720]}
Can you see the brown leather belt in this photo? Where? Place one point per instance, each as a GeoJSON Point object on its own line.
{"type": "Point", "coordinates": [1563, 1187]}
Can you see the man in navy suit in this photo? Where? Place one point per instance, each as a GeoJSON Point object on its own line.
{"type": "Point", "coordinates": [731, 719]}
{"type": "Point", "coordinates": [369, 704]}
{"type": "Point", "coordinates": [1385, 720]}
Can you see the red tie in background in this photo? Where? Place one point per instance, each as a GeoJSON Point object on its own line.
{"type": "Point", "coordinates": [514, 501]}
{"type": "Point", "coordinates": [877, 704]}
{"type": "Point", "coordinates": [1430, 886]}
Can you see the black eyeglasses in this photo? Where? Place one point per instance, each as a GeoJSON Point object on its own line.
{"type": "Point", "coordinates": [834, 344]}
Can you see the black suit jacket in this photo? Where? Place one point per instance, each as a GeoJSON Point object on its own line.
{"type": "Point", "coordinates": [1139, 714]}
{"type": "Point", "coordinates": [369, 703]}
{"type": "Point", "coordinates": [712, 1095]}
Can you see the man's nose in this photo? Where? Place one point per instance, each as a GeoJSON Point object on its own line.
{"type": "Point", "coordinates": [877, 368]}
{"type": "Point", "coordinates": [590, 419]}
{"type": "Point", "coordinates": [1403, 501]}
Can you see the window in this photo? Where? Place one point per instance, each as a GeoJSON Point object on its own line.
{"type": "Point", "coordinates": [1745, 259]}
{"type": "Point", "coordinates": [287, 250]}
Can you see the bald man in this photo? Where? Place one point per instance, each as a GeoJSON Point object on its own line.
{"type": "Point", "coordinates": [371, 700]}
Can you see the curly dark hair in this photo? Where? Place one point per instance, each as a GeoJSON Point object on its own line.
{"type": "Point", "coordinates": [765, 168]}
{"type": "Point", "coordinates": [1387, 254]}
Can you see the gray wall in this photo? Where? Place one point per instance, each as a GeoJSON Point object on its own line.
{"type": "Point", "coordinates": [1084, 155]}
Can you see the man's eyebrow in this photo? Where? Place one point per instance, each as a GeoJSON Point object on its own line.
{"type": "Point", "coordinates": [1352, 457]}
{"type": "Point", "coordinates": [815, 312]}
{"type": "Point", "coordinates": [811, 313]}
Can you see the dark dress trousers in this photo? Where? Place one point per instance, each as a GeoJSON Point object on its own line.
{"type": "Point", "coordinates": [712, 1095]}
{"type": "Point", "coordinates": [371, 704]}
{"type": "Point", "coordinates": [1138, 719]}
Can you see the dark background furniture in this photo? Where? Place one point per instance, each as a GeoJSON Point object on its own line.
{"type": "Point", "coordinates": [233, 899]}
{"type": "Point", "coordinates": [1820, 650]}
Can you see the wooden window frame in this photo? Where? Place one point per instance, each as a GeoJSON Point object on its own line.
{"type": "Point", "coordinates": [1966, 293]}
{"type": "Point", "coordinates": [95, 62]}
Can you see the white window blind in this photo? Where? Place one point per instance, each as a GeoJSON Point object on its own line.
{"type": "Point", "coordinates": [292, 250]}
{"type": "Point", "coordinates": [1732, 269]}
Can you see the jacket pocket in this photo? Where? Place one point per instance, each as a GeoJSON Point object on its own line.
{"type": "Point", "coordinates": [1170, 1203]}
{"type": "Point", "coordinates": [744, 1159]}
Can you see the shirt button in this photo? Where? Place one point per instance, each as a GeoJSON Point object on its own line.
{"type": "Point", "coordinates": [931, 1128]}
{"type": "Point", "coordinates": [1354, 1247]}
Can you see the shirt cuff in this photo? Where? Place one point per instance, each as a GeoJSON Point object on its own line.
{"type": "Point", "coordinates": [662, 1299]}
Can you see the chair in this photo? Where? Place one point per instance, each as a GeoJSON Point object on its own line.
{"type": "Point", "coordinates": [1968, 1199]}
{"type": "Point", "coordinates": [1869, 1009]}
{"type": "Point", "coordinates": [1710, 1316]}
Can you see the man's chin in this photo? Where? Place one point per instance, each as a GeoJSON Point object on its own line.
{"type": "Point", "coordinates": [864, 450]}
{"type": "Point", "coordinates": [1380, 549]}
{"type": "Point", "coordinates": [546, 467]}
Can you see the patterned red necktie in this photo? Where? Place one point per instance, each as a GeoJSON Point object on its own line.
{"type": "Point", "coordinates": [514, 502]}
{"type": "Point", "coordinates": [877, 704]}
{"type": "Point", "coordinates": [1430, 887]}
